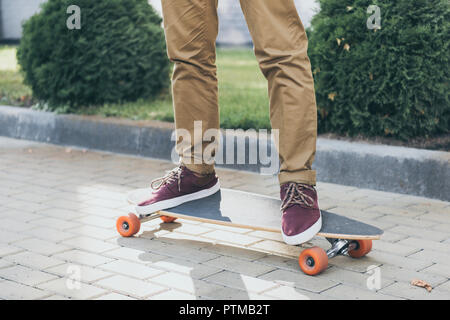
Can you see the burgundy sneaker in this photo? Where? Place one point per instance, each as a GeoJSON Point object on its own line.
{"type": "Point", "coordinates": [301, 219]}
{"type": "Point", "coordinates": [177, 187]}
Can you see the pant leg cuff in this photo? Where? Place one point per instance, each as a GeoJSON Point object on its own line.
{"type": "Point", "coordinates": [304, 176]}
{"type": "Point", "coordinates": [199, 168]}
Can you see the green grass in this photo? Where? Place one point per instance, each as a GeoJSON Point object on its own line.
{"type": "Point", "coordinates": [243, 95]}
{"type": "Point", "coordinates": [242, 92]}
{"type": "Point", "coordinates": [12, 89]}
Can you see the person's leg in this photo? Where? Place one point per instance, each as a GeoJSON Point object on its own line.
{"type": "Point", "coordinates": [191, 28]}
{"type": "Point", "coordinates": [281, 45]}
{"type": "Point", "coordinates": [281, 48]}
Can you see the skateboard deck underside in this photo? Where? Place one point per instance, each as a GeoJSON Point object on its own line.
{"type": "Point", "coordinates": [252, 211]}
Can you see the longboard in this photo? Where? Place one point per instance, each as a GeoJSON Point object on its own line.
{"type": "Point", "coordinates": [258, 212]}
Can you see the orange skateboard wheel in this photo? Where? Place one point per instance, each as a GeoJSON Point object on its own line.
{"type": "Point", "coordinates": [363, 248]}
{"type": "Point", "coordinates": [129, 225]}
{"type": "Point", "coordinates": [168, 219]}
{"type": "Point", "coordinates": [313, 260]}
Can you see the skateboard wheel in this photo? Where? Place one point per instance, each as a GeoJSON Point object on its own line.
{"type": "Point", "coordinates": [313, 260]}
{"type": "Point", "coordinates": [168, 219]}
{"type": "Point", "coordinates": [129, 225]}
{"type": "Point", "coordinates": [363, 247]}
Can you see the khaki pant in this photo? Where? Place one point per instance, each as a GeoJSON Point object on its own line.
{"type": "Point", "coordinates": [280, 45]}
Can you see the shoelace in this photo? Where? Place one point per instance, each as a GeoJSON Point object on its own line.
{"type": "Point", "coordinates": [169, 177]}
{"type": "Point", "coordinates": [295, 194]}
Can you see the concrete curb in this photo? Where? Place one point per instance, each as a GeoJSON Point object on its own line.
{"type": "Point", "coordinates": [386, 168]}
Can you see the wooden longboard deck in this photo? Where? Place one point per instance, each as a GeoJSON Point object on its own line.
{"type": "Point", "coordinates": [257, 212]}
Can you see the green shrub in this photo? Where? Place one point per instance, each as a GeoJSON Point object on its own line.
{"type": "Point", "coordinates": [118, 55]}
{"type": "Point", "coordinates": [393, 81]}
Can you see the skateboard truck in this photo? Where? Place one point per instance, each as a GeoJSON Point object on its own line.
{"type": "Point", "coordinates": [340, 247]}
{"type": "Point", "coordinates": [148, 217]}
{"type": "Point", "coordinates": [314, 260]}
{"type": "Point", "coordinates": [129, 225]}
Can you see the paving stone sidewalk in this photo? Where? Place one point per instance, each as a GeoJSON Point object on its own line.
{"type": "Point", "coordinates": [58, 208]}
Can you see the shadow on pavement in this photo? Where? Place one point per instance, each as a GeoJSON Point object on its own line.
{"type": "Point", "coordinates": [183, 253]}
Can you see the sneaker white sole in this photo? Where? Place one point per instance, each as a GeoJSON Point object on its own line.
{"type": "Point", "coordinates": [304, 236]}
{"type": "Point", "coordinates": [170, 203]}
